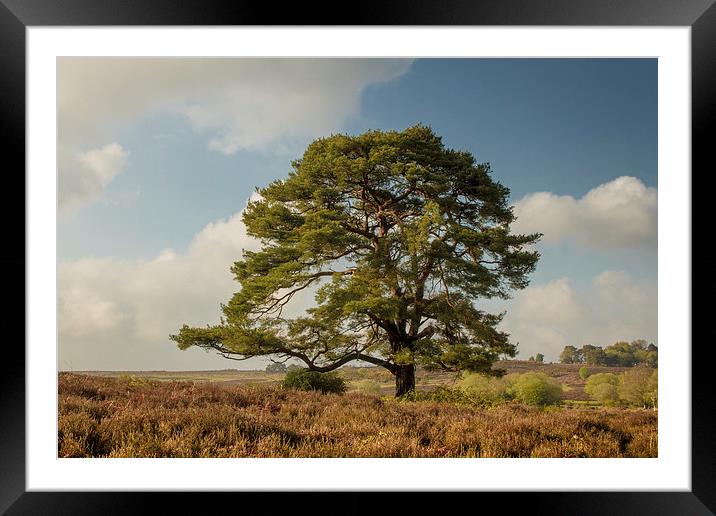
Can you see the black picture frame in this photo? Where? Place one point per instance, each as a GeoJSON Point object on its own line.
{"type": "Point", "coordinates": [16, 15]}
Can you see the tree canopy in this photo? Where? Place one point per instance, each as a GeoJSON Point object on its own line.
{"type": "Point", "coordinates": [618, 354]}
{"type": "Point", "coordinates": [398, 236]}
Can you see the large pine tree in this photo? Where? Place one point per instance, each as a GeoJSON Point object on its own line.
{"type": "Point", "coordinates": [399, 237]}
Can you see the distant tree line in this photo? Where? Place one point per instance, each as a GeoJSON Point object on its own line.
{"type": "Point", "coordinates": [280, 367]}
{"type": "Point", "coordinates": [621, 353]}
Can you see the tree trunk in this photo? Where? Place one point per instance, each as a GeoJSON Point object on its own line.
{"type": "Point", "coordinates": [404, 379]}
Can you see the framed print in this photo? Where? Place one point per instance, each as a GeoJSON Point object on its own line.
{"type": "Point", "coordinates": [429, 250]}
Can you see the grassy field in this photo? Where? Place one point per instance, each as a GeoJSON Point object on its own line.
{"type": "Point", "coordinates": [245, 414]}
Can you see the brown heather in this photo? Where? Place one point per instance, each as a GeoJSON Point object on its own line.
{"type": "Point", "coordinates": [126, 417]}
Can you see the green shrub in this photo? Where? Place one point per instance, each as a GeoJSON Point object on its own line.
{"type": "Point", "coordinates": [605, 393]}
{"type": "Point", "coordinates": [638, 386]}
{"type": "Point", "coordinates": [583, 372]}
{"type": "Point", "coordinates": [602, 387]}
{"type": "Point", "coordinates": [485, 390]}
{"type": "Point", "coordinates": [133, 380]}
{"type": "Point", "coordinates": [535, 389]}
{"type": "Point", "coordinates": [305, 380]}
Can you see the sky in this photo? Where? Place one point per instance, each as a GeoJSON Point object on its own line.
{"type": "Point", "coordinates": [158, 157]}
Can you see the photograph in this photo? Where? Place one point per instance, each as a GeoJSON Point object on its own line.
{"type": "Point", "coordinates": [357, 257]}
{"type": "Point", "coordinates": [424, 250]}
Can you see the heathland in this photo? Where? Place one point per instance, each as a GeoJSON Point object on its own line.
{"type": "Point", "coordinates": [233, 413]}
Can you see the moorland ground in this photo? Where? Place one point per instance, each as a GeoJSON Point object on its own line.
{"type": "Point", "coordinates": [566, 374]}
{"type": "Point", "coordinates": [234, 413]}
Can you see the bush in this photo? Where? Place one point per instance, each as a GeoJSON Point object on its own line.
{"type": "Point", "coordinates": [602, 387]}
{"type": "Point", "coordinates": [485, 390]}
{"type": "Point", "coordinates": [305, 380]}
{"type": "Point", "coordinates": [134, 381]}
{"type": "Point", "coordinates": [638, 386]}
{"type": "Point", "coordinates": [536, 389]}
{"type": "Point", "coordinates": [606, 394]}
{"type": "Point", "coordinates": [583, 373]}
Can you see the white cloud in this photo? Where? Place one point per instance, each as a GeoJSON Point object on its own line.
{"type": "Point", "coordinates": [545, 318]}
{"type": "Point", "coordinates": [620, 213]}
{"type": "Point", "coordinates": [118, 314]}
{"type": "Point", "coordinates": [85, 175]}
{"type": "Point", "coordinates": [239, 103]}
{"type": "Point", "coordinates": [256, 104]}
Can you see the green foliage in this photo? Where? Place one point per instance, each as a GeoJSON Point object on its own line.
{"type": "Point", "coordinates": [606, 394]}
{"type": "Point", "coordinates": [602, 387]}
{"type": "Point", "coordinates": [639, 387]}
{"type": "Point", "coordinates": [636, 353]}
{"type": "Point", "coordinates": [397, 236]}
{"type": "Point", "coordinates": [583, 372]}
{"type": "Point", "coordinates": [592, 355]}
{"type": "Point", "coordinates": [570, 355]}
{"type": "Point", "coordinates": [134, 381]}
{"type": "Point", "coordinates": [621, 354]}
{"type": "Point", "coordinates": [535, 389]}
{"type": "Point", "coordinates": [276, 367]}
{"type": "Point", "coordinates": [539, 358]}
{"type": "Point", "coordinates": [644, 353]}
{"type": "Point", "coordinates": [485, 390]}
{"type": "Point", "coordinates": [306, 380]}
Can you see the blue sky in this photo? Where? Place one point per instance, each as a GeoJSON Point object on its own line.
{"type": "Point", "coordinates": [157, 158]}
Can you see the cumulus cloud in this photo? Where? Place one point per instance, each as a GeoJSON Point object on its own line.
{"type": "Point", "coordinates": [235, 104]}
{"type": "Point", "coordinates": [239, 103]}
{"type": "Point", "coordinates": [620, 213]}
{"type": "Point", "coordinates": [545, 318]}
{"type": "Point", "coordinates": [118, 314]}
{"type": "Point", "coordinates": [85, 175]}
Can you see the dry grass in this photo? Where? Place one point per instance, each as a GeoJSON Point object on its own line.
{"type": "Point", "coordinates": [131, 417]}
